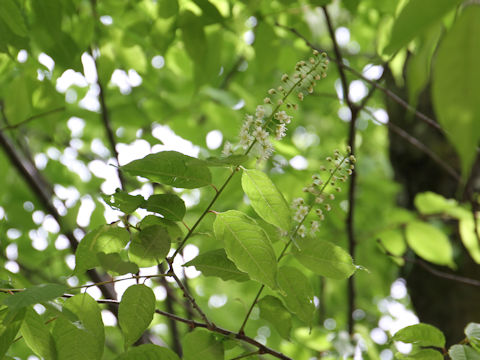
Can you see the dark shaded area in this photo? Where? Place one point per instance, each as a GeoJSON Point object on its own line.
{"type": "Point", "coordinates": [444, 303]}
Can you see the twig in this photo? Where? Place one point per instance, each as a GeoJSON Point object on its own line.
{"type": "Point", "coordinates": [374, 83]}
{"type": "Point", "coordinates": [430, 269]}
{"type": "Point", "coordinates": [246, 355]}
{"type": "Point", "coordinates": [418, 144]}
{"type": "Point", "coordinates": [30, 118]}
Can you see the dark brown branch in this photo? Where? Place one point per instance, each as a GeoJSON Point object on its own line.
{"type": "Point", "coordinates": [418, 144]}
{"type": "Point", "coordinates": [374, 83]}
{"type": "Point", "coordinates": [354, 110]}
{"type": "Point", "coordinates": [431, 269]}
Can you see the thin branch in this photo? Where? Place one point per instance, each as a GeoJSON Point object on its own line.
{"type": "Point", "coordinates": [350, 220]}
{"type": "Point", "coordinates": [432, 270]}
{"type": "Point", "coordinates": [33, 117]}
{"type": "Point", "coordinates": [374, 83]}
{"type": "Point", "coordinates": [418, 144]}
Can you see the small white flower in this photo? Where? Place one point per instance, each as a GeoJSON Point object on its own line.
{"type": "Point", "coordinates": [301, 231]}
{"type": "Point", "coordinates": [281, 131]}
{"type": "Point", "coordinates": [314, 227]}
{"type": "Point", "coordinates": [297, 202]}
{"type": "Point", "coordinates": [227, 149]}
{"type": "Point", "coordinates": [260, 112]}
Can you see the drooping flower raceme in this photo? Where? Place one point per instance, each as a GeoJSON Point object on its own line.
{"type": "Point", "coordinates": [269, 118]}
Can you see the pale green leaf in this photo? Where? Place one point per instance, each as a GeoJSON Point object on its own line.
{"type": "Point", "coordinates": [114, 263]}
{"type": "Point", "coordinates": [201, 344]}
{"type": "Point", "coordinates": [421, 335]}
{"type": "Point", "coordinates": [35, 294]}
{"type": "Point", "coordinates": [415, 18]}
{"type": "Point", "coordinates": [148, 352]}
{"type": "Point", "coordinates": [135, 312]}
{"type": "Point", "coordinates": [469, 236]}
{"type": "Point", "coordinates": [149, 246]}
{"type": "Point", "coordinates": [106, 238]}
{"type": "Point", "coordinates": [324, 258]}
{"type": "Point", "coordinates": [247, 245]}
{"type": "Point", "coordinates": [171, 168]}
{"type": "Point", "coordinates": [170, 206]}
{"type": "Point", "coordinates": [423, 354]}
{"type": "Point", "coordinates": [297, 293]}
{"type": "Point", "coordinates": [272, 310]}
{"type": "Point", "coordinates": [430, 243]}
{"type": "Point", "coordinates": [463, 352]}
{"type": "Point", "coordinates": [266, 199]}
{"type": "Point", "coordinates": [473, 332]}
{"type": "Point", "coordinates": [432, 203]}
{"type": "Point", "coordinates": [456, 85]}
{"type": "Point", "coordinates": [216, 263]}
{"type": "Point", "coordinates": [84, 338]}
{"type": "Point", "coordinates": [37, 335]}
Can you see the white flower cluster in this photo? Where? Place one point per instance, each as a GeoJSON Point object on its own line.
{"type": "Point", "coordinates": [342, 167]}
{"type": "Point", "coordinates": [255, 130]}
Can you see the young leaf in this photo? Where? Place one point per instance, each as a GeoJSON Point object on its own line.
{"type": "Point", "coordinates": [463, 352]}
{"type": "Point", "coordinates": [473, 332]}
{"type": "Point", "coordinates": [114, 263]}
{"type": "Point", "coordinates": [34, 295]}
{"type": "Point", "coordinates": [423, 354]}
{"type": "Point", "coordinates": [265, 198]}
{"type": "Point", "coordinates": [148, 352]}
{"type": "Point", "coordinates": [432, 203]}
{"type": "Point", "coordinates": [456, 83]}
{"type": "Point", "coordinates": [298, 294]}
{"type": "Point", "coordinates": [469, 238]}
{"type": "Point", "coordinates": [171, 168]}
{"type": "Point", "coordinates": [37, 335]}
{"type": "Point", "coordinates": [216, 263]}
{"type": "Point", "coordinates": [123, 201]}
{"type": "Point", "coordinates": [324, 258]}
{"type": "Point", "coordinates": [170, 206]}
{"type": "Point", "coordinates": [416, 17]}
{"type": "Point", "coordinates": [247, 245]}
{"type": "Point", "coordinates": [150, 246]}
{"type": "Point", "coordinates": [106, 238]}
{"type": "Point", "coordinates": [272, 310]}
{"type": "Point", "coordinates": [421, 335]}
{"type": "Point", "coordinates": [430, 243]}
{"type": "Point", "coordinates": [135, 312]}
{"type": "Point", "coordinates": [83, 339]}
{"type": "Point", "coordinates": [201, 344]}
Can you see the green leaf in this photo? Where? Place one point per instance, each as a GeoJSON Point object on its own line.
{"type": "Point", "coordinates": [83, 339]}
{"type": "Point", "coordinates": [171, 168]}
{"type": "Point", "coordinates": [34, 295]}
{"type": "Point", "coordinates": [416, 17]}
{"type": "Point", "coordinates": [469, 237]}
{"type": "Point", "coordinates": [170, 206]}
{"type": "Point", "coordinates": [430, 243]}
{"type": "Point", "coordinates": [463, 352]}
{"type": "Point", "coordinates": [174, 231]}
{"type": "Point", "coordinates": [123, 201]}
{"type": "Point", "coordinates": [167, 8]}
{"type": "Point", "coordinates": [324, 258]}
{"type": "Point", "coordinates": [272, 310]}
{"type": "Point", "coordinates": [394, 241]}
{"type": "Point", "coordinates": [106, 238]}
{"type": "Point", "coordinates": [148, 352]}
{"type": "Point", "coordinates": [297, 293]}
{"type": "Point", "coordinates": [114, 263]}
{"type": "Point", "coordinates": [221, 96]}
{"type": "Point", "coordinates": [37, 335]}
{"type": "Point", "coordinates": [216, 263]}
{"type": "Point", "coordinates": [193, 36]}
{"type": "Point", "coordinates": [10, 323]}
{"type": "Point", "coordinates": [421, 335]}
{"type": "Point", "coordinates": [423, 354]}
{"type": "Point", "coordinates": [227, 161]}
{"type": "Point", "coordinates": [135, 312]}
{"type": "Point", "coordinates": [456, 83]}
{"type": "Point", "coordinates": [473, 332]}
{"type": "Point", "coordinates": [432, 203]}
{"type": "Point", "coordinates": [210, 14]}
{"type": "Point", "coordinates": [247, 245]}
{"type": "Point", "coordinates": [201, 344]}
{"type": "Point", "coordinates": [266, 199]}
{"type": "Point", "coordinates": [11, 14]}
{"type": "Point", "coordinates": [150, 246]}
